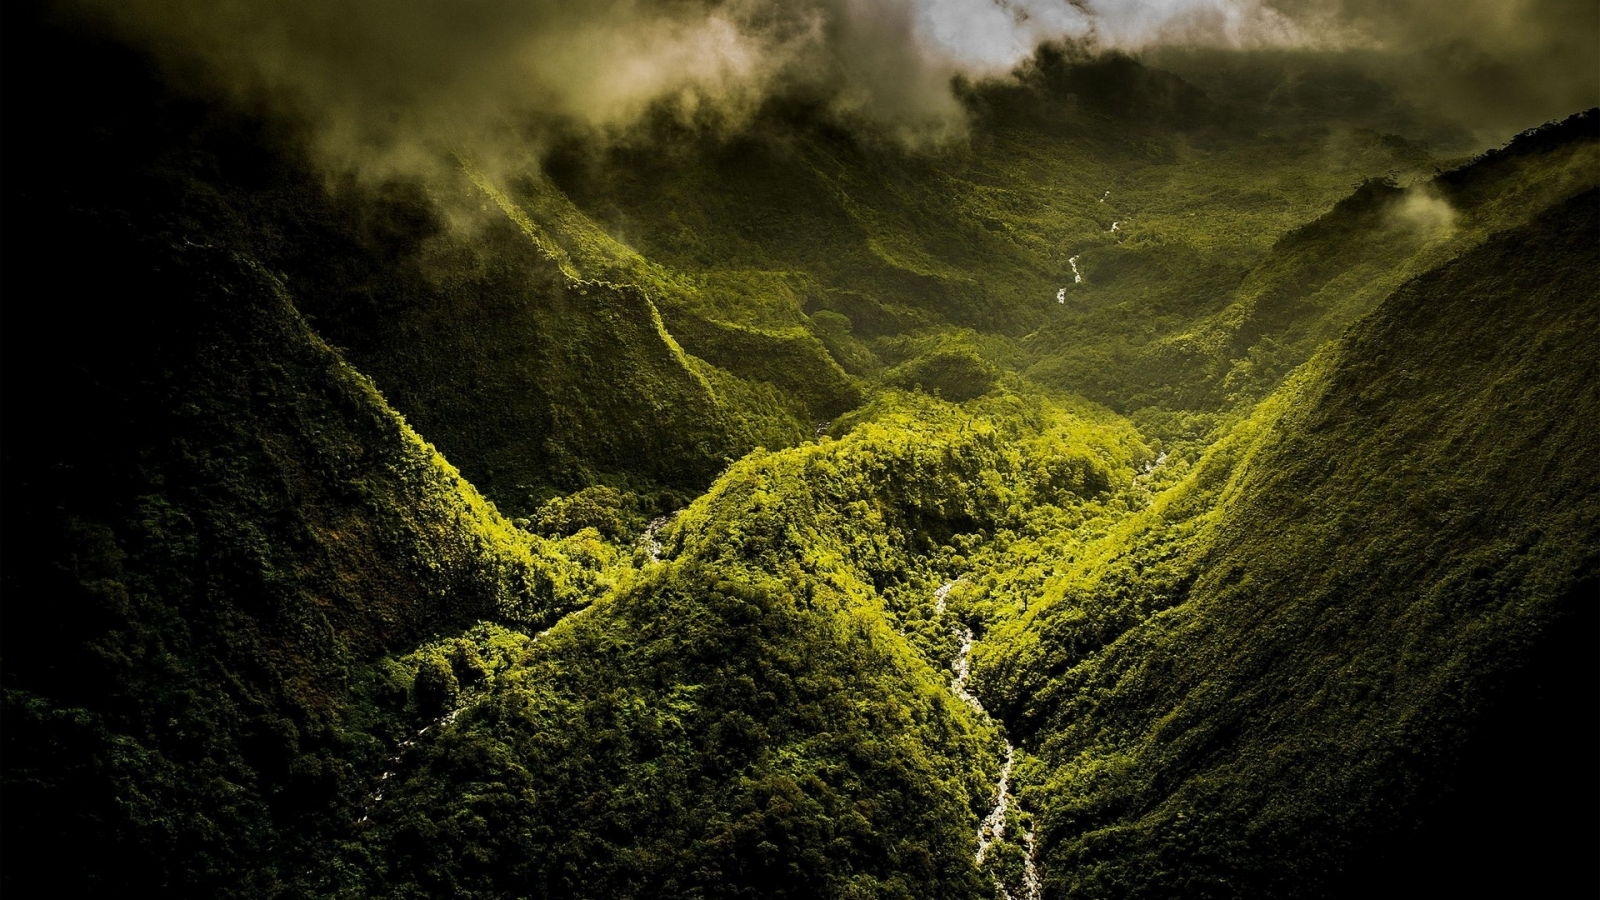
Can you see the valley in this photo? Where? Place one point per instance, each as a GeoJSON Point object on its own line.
{"type": "Point", "coordinates": [1163, 488]}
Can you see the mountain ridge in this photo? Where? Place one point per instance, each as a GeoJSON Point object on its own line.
{"type": "Point", "coordinates": [1261, 545]}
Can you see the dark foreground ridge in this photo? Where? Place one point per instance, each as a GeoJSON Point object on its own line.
{"type": "Point", "coordinates": [877, 523]}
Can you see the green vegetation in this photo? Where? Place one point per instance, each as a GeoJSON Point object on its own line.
{"type": "Point", "coordinates": [1272, 542]}
{"type": "Point", "coordinates": [1256, 674]}
{"type": "Point", "coordinates": [213, 562]}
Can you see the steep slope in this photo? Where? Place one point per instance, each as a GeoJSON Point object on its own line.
{"type": "Point", "coordinates": [533, 353]}
{"type": "Point", "coordinates": [261, 639]}
{"type": "Point", "coordinates": [1250, 696]}
{"type": "Point", "coordinates": [1316, 279]}
{"type": "Point", "coordinates": [1152, 191]}
{"type": "Point", "coordinates": [213, 528]}
{"type": "Point", "coordinates": [538, 367]}
{"type": "Point", "coordinates": [747, 718]}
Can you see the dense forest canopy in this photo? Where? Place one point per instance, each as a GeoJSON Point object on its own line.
{"type": "Point", "coordinates": [892, 449]}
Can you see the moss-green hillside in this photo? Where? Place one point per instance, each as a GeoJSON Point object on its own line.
{"type": "Point", "coordinates": [1231, 343]}
{"type": "Point", "coordinates": [1247, 698]}
{"type": "Point", "coordinates": [215, 526]}
{"type": "Point", "coordinates": [1152, 492]}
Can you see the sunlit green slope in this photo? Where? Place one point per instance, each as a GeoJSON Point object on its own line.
{"type": "Point", "coordinates": [796, 217]}
{"type": "Point", "coordinates": [747, 717]}
{"type": "Point", "coordinates": [1253, 688]}
{"type": "Point", "coordinates": [537, 365]}
{"type": "Point", "coordinates": [1254, 639]}
{"type": "Point", "coordinates": [1322, 276]}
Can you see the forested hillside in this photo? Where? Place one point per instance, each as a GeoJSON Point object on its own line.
{"type": "Point", "coordinates": [1160, 485]}
{"type": "Point", "coordinates": [1384, 549]}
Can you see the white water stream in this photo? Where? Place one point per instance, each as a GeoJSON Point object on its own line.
{"type": "Point", "coordinates": [1150, 467]}
{"type": "Point", "coordinates": [990, 830]}
{"type": "Point", "coordinates": [400, 752]}
{"type": "Point", "coordinates": [463, 701]}
{"type": "Point", "coordinates": [1077, 278]}
{"type": "Point", "coordinates": [652, 546]}
{"type": "Point", "coordinates": [993, 826]}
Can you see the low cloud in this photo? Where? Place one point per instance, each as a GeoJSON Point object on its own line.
{"type": "Point", "coordinates": [387, 84]}
{"type": "Point", "coordinates": [384, 81]}
{"type": "Point", "coordinates": [1423, 212]}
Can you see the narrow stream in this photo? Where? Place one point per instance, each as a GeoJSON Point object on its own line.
{"type": "Point", "coordinates": [1147, 472]}
{"type": "Point", "coordinates": [464, 701]}
{"type": "Point", "coordinates": [1077, 278]}
{"type": "Point", "coordinates": [652, 546]}
{"type": "Point", "coordinates": [400, 752]}
{"type": "Point", "coordinates": [1150, 467]}
{"type": "Point", "coordinates": [993, 826]}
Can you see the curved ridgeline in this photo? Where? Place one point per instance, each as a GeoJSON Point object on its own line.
{"type": "Point", "coordinates": [1269, 615]}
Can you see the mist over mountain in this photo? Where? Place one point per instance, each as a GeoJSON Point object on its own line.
{"type": "Point", "coordinates": [847, 449]}
{"type": "Point", "coordinates": [390, 87]}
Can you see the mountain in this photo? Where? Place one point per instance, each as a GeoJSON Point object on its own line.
{"type": "Point", "coordinates": [1245, 695]}
{"type": "Point", "coordinates": [1168, 487]}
